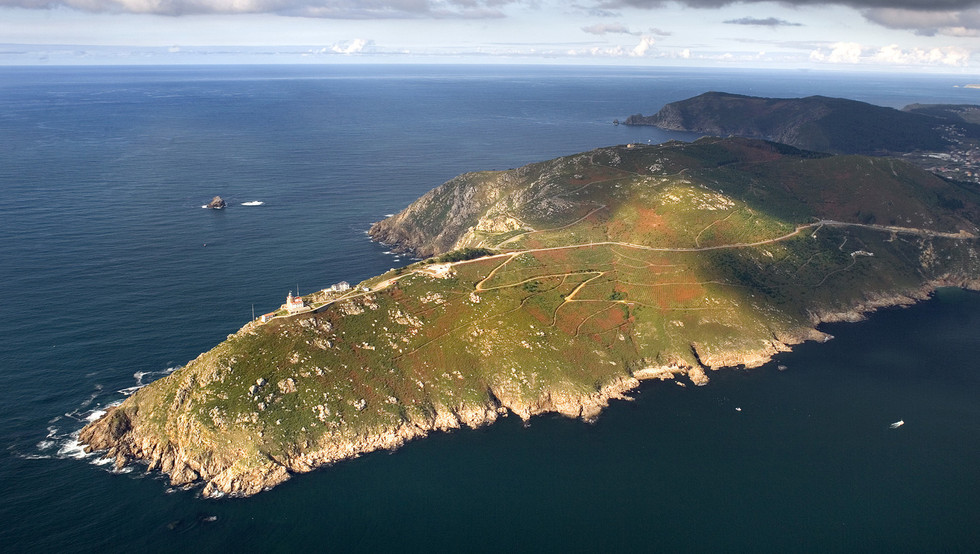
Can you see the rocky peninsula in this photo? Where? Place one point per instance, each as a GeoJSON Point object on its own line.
{"type": "Point", "coordinates": [556, 287]}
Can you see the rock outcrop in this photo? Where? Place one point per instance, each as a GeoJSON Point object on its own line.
{"type": "Point", "coordinates": [216, 203]}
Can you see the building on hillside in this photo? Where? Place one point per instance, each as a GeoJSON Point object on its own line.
{"type": "Point", "coordinates": [294, 303]}
{"type": "Point", "coordinates": [340, 287]}
{"type": "Point", "coordinates": [267, 317]}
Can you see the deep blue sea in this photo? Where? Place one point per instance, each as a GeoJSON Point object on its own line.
{"type": "Point", "coordinates": [111, 275]}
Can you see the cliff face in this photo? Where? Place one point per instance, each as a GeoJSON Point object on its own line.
{"type": "Point", "coordinates": [606, 268]}
{"type": "Point", "coordinates": [814, 123]}
{"type": "Point", "coordinates": [437, 221]}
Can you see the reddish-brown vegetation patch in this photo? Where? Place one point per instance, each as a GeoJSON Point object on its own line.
{"type": "Point", "coordinates": [607, 318]}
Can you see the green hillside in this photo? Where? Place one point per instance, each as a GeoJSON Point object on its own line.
{"type": "Point", "coordinates": [584, 274]}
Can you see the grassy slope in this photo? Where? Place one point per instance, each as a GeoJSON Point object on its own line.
{"type": "Point", "coordinates": [569, 320]}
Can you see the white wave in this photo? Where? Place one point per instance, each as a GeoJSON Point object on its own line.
{"type": "Point", "coordinates": [34, 457]}
{"type": "Point", "coordinates": [45, 445]}
{"type": "Point", "coordinates": [139, 375]}
{"type": "Point", "coordinates": [253, 203]}
{"type": "Point", "coordinates": [389, 215]}
{"type": "Point", "coordinates": [129, 390]}
{"type": "Point", "coordinates": [71, 448]}
{"type": "Point", "coordinates": [88, 401]}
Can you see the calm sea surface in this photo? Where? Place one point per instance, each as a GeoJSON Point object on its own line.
{"type": "Point", "coordinates": [111, 275]}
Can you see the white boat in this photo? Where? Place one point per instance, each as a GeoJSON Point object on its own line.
{"type": "Point", "coordinates": [253, 203]}
{"type": "Point", "coordinates": [897, 424]}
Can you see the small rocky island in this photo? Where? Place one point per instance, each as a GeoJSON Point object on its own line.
{"type": "Point", "coordinates": [556, 287]}
{"type": "Point", "coordinates": [216, 203]}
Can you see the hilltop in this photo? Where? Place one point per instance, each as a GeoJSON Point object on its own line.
{"type": "Point", "coordinates": [557, 287]}
{"type": "Point", "coordinates": [819, 123]}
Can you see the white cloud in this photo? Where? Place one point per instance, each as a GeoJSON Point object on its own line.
{"type": "Point", "coordinates": [854, 53]}
{"type": "Point", "coordinates": [603, 28]}
{"type": "Point", "coordinates": [840, 52]}
{"type": "Point", "coordinates": [351, 46]}
{"type": "Point", "coordinates": [951, 56]}
{"type": "Point", "coordinates": [644, 47]}
{"type": "Point", "coordinates": [334, 9]}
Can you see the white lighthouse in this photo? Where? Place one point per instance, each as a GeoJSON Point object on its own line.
{"type": "Point", "coordinates": [294, 304]}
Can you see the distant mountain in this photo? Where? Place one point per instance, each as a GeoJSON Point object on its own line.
{"type": "Point", "coordinates": [818, 123]}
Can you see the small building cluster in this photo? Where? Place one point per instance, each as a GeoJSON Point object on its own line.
{"type": "Point", "coordinates": [339, 287]}
{"type": "Point", "coordinates": [294, 304]}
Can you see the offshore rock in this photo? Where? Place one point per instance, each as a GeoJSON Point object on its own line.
{"type": "Point", "coordinates": [216, 203]}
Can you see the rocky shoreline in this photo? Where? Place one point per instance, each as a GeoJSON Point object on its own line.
{"type": "Point", "coordinates": [121, 435]}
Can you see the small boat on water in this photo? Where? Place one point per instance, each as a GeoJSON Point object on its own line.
{"type": "Point", "coordinates": [897, 424]}
{"type": "Point", "coordinates": [253, 203]}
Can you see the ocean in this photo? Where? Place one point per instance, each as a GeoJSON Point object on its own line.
{"type": "Point", "coordinates": [111, 276]}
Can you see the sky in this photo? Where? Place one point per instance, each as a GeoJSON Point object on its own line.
{"type": "Point", "coordinates": [894, 35]}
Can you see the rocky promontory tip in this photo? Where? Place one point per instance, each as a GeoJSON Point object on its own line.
{"type": "Point", "coordinates": [216, 203]}
{"type": "Point", "coordinates": [555, 287]}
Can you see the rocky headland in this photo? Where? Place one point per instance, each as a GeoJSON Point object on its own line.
{"type": "Point", "coordinates": [579, 277]}
{"type": "Point", "coordinates": [822, 124]}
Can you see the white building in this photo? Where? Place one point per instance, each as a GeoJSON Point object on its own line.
{"type": "Point", "coordinates": [294, 304]}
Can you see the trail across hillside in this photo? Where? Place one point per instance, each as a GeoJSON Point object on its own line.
{"type": "Point", "coordinates": [962, 235]}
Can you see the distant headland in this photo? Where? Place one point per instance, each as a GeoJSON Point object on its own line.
{"type": "Point", "coordinates": [944, 138]}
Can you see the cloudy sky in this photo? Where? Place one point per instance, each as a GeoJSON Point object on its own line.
{"type": "Point", "coordinates": [927, 35]}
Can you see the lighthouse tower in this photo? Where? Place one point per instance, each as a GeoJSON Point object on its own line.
{"type": "Point", "coordinates": [294, 304]}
